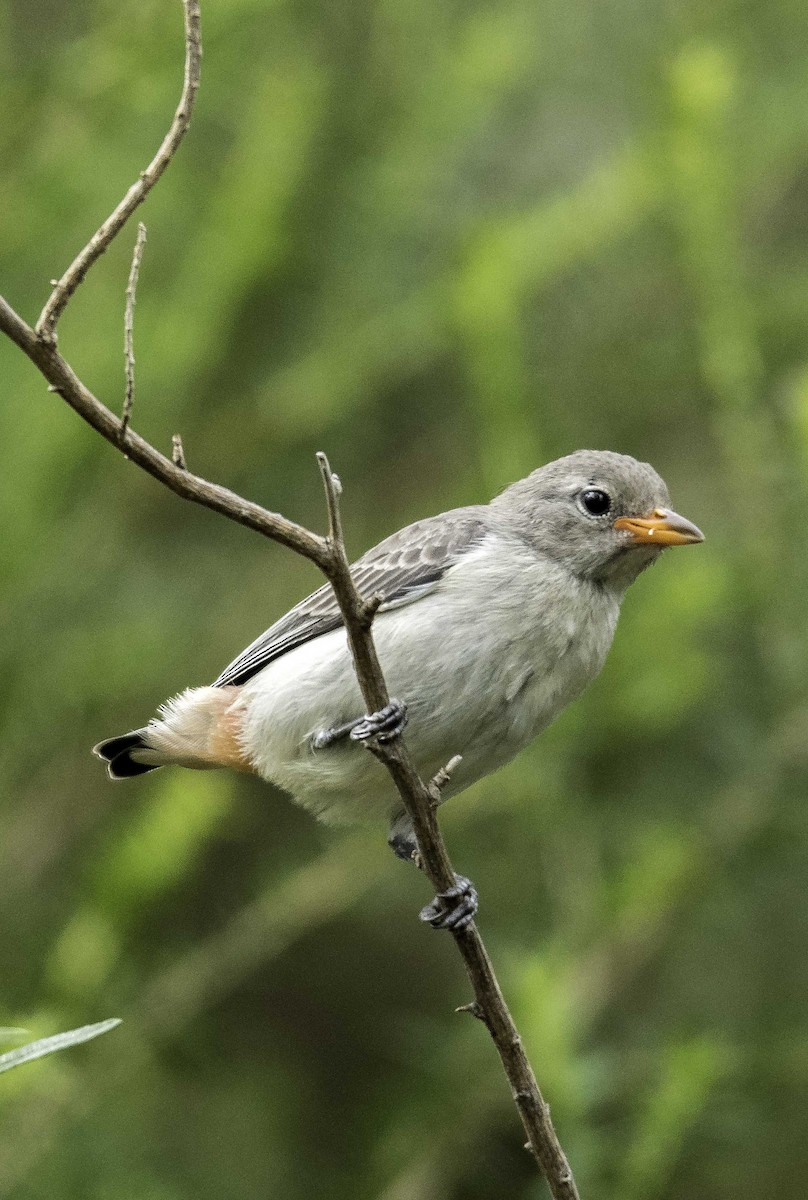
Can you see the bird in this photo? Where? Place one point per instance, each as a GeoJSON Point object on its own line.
{"type": "Point", "coordinates": [494, 617]}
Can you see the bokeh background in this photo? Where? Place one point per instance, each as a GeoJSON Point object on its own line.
{"type": "Point", "coordinates": [445, 243]}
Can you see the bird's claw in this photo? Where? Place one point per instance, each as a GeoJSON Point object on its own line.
{"type": "Point", "coordinates": [382, 726]}
{"type": "Point", "coordinates": [453, 909]}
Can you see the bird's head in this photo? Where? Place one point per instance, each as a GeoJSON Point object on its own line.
{"type": "Point", "coordinates": [604, 516]}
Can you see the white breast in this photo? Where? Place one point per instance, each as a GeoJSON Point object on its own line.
{"type": "Point", "coordinates": [540, 638]}
{"type": "Point", "coordinates": [484, 663]}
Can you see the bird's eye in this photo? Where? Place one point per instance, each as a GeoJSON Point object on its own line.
{"type": "Point", "coordinates": [596, 502]}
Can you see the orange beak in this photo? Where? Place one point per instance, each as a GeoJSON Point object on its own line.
{"type": "Point", "coordinates": [662, 528]}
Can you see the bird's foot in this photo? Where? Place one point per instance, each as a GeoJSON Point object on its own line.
{"type": "Point", "coordinates": [453, 909]}
{"type": "Point", "coordinates": [383, 726]}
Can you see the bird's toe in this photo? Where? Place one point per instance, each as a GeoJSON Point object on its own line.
{"type": "Point", "coordinates": [383, 726]}
{"type": "Point", "coordinates": [453, 909]}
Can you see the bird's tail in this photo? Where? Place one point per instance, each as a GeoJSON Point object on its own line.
{"type": "Point", "coordinates": [127, 755]}
{"type": "Point", "coordinates": [197, 729]}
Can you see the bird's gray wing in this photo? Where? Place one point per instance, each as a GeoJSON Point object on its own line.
{"type": "Point", "coordinates": [402, 568]}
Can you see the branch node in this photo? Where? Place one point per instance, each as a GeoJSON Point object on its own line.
{"type": "Point", "coordinates": [440, 781]}
{"type": "Point", "coordinates": [369, 609]}
{"type": "Point", "coordinates": [178, 453]}
{"type": "Point", "coordinates": [473, 1009]}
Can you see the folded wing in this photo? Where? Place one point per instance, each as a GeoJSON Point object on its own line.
{"type": "Point", "coordinates": [403, 568]}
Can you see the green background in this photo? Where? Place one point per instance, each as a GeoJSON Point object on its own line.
{"type": "Point", "coordinates": [444, 242]}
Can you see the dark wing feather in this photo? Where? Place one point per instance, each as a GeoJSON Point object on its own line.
{"type": "Point", "coordinates": [401, 568]}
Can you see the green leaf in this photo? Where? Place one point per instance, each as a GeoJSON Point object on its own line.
{"type": "Point", "coordinates": [59, 1041]}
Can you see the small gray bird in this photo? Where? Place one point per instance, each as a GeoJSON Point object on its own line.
{"type": "Point", "coordinates": [494, 618]}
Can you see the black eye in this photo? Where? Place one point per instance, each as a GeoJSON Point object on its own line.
{"type": "Point", "coordinates": [596, 502]}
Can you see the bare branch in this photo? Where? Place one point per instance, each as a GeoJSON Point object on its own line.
{"type": "Point", "coordinates": [101, 239]}
{"type": "Point", "coordinates": [128, 330]}
{"type": "Point", "coordinates": [419, 799]}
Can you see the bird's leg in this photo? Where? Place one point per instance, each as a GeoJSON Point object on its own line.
{"type": "Point", "coordinates": [452, 909]}
{"type": "Point", "coordinates": [324, 738]}
{"type": "Point", "coordinates": [382, 726]}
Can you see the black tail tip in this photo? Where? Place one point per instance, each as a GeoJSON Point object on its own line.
{"type": "Point", "coordinates": [117, 754]}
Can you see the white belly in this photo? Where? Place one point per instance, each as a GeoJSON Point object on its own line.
{"type": "Point", "coordinates": [484, 663]}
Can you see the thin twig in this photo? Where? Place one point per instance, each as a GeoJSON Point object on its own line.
{"type": "Point", "coordinates": [103, 236]}
{"type": "Point", "coordinates": [128, 330]}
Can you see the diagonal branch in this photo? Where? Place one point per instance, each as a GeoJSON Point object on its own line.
{"type": "Point", "coordinates": [104, 235]}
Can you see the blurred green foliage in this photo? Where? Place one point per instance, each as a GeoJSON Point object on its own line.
{"type": "Point", "coordinates": [445, 243]}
